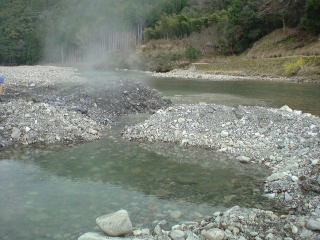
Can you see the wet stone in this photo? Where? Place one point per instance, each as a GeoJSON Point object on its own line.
{"type": "Point", "coordinates": [313, 224]}
{"type": "Point", "coordinates": [177, 235]}
{"type": "Point", "coordinates": [213, 234]}
{"type": "Point", "coordinates": [115, 224]}
{"type": "Point", "coordinates": [16, 133]}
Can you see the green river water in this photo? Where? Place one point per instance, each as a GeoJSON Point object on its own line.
{"type": "Point", "coordinates": [57, 192]}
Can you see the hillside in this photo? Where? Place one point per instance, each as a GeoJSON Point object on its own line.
{"type": "Point", "coordinates": [281, 43]}
{"type": "Point", "coordinates": [293, 53]}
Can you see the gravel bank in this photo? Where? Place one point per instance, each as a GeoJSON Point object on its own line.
{"type": "Point", "coordinates": [48, 104]}
{"type": "Point", "coordinates": [284, 140]}
{"type": "Point", "coordinates": [235, 223]}
{"type": "Point", "coordinates": [212, 76]}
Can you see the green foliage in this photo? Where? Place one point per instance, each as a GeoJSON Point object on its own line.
{"type": "Point", "coordinates": [192, 53]}
{"type": "Point", "coordinates": [245, 25]}
{"type": "Point", "coordinates": [30, 29]}
{"type": "Point", "coordinates": [177, 26]}
{"type": "Point", "coordinates": [292, 68]}
{"type": "Point", "coordinates": [311, 18]}
{"type": "Point", "coordinates": [162, 60]}
{"type": "Point", "coordinates": [19, 40]}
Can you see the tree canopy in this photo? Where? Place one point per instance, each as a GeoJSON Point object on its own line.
{"type": "Point", "coordinates": [32, 29]}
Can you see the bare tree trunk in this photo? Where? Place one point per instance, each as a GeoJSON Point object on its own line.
{"type": "Point", "coordinates": [62, 55]}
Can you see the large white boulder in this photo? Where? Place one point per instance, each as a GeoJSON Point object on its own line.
{"type": "Point", "coordinates": [115, 224]}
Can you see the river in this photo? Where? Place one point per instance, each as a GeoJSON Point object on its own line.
{"type": "Point", "coordinates": [57, 192]}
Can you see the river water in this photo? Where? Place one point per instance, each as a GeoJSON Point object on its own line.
{"type": "Point", "coordinates": [305, 97]}
{"type": "Point", "coordinates": [57, 192]}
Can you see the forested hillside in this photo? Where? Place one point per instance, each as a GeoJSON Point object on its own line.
{"type": "Point", "coordinates": [236, 24]}
{"type": "Point", "coordinates": [33, 29]}
{"type": "Point", "coordinates": [20, 38]}
{"type": "Point", "coordinates": [66, 30]}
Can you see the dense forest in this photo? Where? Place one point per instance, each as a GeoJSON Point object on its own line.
{"type": "Point", "coordinates": [66, 30]}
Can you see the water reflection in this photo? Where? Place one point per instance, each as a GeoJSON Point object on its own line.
{"type": "Point", "coordinates": [305, 97]}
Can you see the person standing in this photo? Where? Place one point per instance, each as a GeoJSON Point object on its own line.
{"type": "Point", "coordinates": [1, 84]}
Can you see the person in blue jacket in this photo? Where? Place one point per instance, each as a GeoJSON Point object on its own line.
{"type": "Point", "coordinates": [1, 84]}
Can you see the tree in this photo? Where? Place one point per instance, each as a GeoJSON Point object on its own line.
{"type": "Point", "coordinates": [311, 17]}
{"type": "Point", "coordinates": [290, 11]}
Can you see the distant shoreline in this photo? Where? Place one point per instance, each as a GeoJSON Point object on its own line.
{"type": "Point", "coordinates": [225, 76]}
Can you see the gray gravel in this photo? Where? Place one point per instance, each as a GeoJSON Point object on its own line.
{"type": "Point", "coordinates": [193, 73]}
{"type": "Point", "coordinates": [31, 123]}
{"type": "Point", "coordinates": [235, 223]}
{"type": "Point", "coordinates": [48, 104]}
{"type": "Point", "coordinates": [286, 141]}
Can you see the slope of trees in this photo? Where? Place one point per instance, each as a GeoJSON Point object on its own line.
{"type": "Point", "coordinates": [66, 30]}
{"type": "Point", "coordinates": [238, 23]}
{"type": "Point", "coordinates": [19, 40]}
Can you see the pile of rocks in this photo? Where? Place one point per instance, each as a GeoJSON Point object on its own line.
{"type": "Point", "coordinates": [47, 104]}
{"type": "Point", "coordinates": [234, 224]}
{"type": "Point", "coordinates": [30, 123]}
{"type": "Point", "coordinates": [105, 101]}
{"type": "Point", "coordinates": [36, 76]}
{"type": "Point", "coordinates": [284, 140]}
{"type": "Point", "coordinates": [215, 76]}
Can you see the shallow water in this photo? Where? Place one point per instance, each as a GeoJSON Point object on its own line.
{"type": "Point", "coordinates": [56, 193]}
{"type": "Point", "coordinates": [305, 97]}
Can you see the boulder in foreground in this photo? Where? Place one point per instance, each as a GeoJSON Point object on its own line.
{"type": "Point", "coordinates": [115, 224]}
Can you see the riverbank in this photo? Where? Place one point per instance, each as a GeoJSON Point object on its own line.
{"type": "Point", "coordinates": [192, 73]}
{"type": "Point", "coordinates": [48, 104]}
{"type": "Point", "coordinates": [284, 140]}
{"type": "Point", "coordinates": [280, 55]}
{"type": "Point", "coordinates": [40, 105]}
{"type": "Point", "coordinates": [235, 223]}
{"type": "Point", "coordinates": [214, 72]}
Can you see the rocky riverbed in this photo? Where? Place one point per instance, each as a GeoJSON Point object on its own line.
{"type": "Point", "coordinates": [192, 73]}
{"type": "Point", "coordinates": [48, 104]}
{"type": "Point", "coordinates": [45, 104]}
{"type": "Point", "coordinates": [235, 223]}
{"type": "Point", "coordinates": [286, 141]}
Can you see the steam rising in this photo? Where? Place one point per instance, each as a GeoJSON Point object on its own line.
{"type": "Point", "coordinates": [84, 31]}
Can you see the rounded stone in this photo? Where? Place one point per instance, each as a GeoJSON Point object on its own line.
{"type": "Point", "coordinates": [313, 224]}
{"type": "Point", "coordinates": [177, 235]}
{"type": "Point", "coordinates": [243, 159]}
{"type": "Point", "coordinates": [213, 234]}
{"type": "Point", "coordinates": [294, 229]}
{"type": "Point", "coordinates": [115, 224]}
{"type": "Point", "coordinates": [224, 134]}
